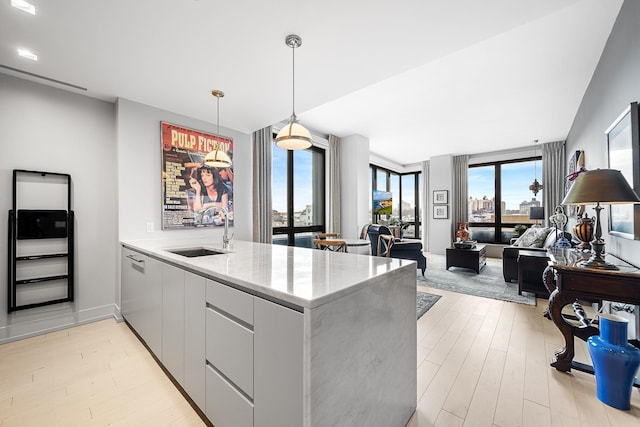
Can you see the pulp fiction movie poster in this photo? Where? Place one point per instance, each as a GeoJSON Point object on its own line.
{"type": "Point", "coordinates": [192, 190]}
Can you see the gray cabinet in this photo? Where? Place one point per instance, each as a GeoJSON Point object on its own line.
{"type": "Point", "coordinates": [278, 359]}
{"type": "Point", "coordinates": [194, 337]}
{"type": "Point", "coordinates": [226, 405]}
{"type": "Point", "coordinates": [255, 357]}
{"type": "Point", "coordinates": [173, 312]}
{"type": "Point", "coordinates": [229, 342]}
{"type": "Point", "coordinates": [141, 280]}
{"type": "Point", "coordinates": [132, 277]}
{"type": "Point", "coordinates": [238, 356]}
{"type": "Point", "coordinates": [229, 352]}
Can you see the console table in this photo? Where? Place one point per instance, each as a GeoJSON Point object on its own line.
{"type": "Point", "coordinates": [567, 282]}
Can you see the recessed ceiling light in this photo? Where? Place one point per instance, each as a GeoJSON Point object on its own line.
{"type": "Point", "coordinates": [25, 53]}
{"type": "Point", "coordinates": [24, 6]}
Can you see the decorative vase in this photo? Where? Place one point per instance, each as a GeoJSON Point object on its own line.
{"type": "Point", "coordinates": [462, 233]}
{"type": "Point", "coordinates": [584, 231]}
{"type": "Point", "coordinates": [615, 362]}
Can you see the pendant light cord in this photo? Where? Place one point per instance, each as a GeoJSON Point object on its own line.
{"type": "Point", "coordinates": [293, 80]}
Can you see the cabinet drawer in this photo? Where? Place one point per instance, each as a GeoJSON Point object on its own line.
{"type": "Point", "coordinates": [226, 407]}
{"type": "Point", "coordinates": [230, 350]}
{"type": "Point", "coordinates": [229, 300]}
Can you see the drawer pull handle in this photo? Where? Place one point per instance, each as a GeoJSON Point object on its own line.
{"type": "Point", "coordinates": [131, 257]}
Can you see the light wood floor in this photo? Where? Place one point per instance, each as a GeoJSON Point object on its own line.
{"type": "Point", "coordinates": [481, 362]}
{"type": "Point", "coordinates": [97, 374]}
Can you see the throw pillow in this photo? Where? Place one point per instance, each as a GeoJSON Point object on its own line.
{"type": "Point", "coordinates": [541, 236]}
{"type": "Point", "coordinates": [527, 238]}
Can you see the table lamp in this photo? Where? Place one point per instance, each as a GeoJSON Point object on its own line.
{"type": "Point", "coordinates": [606, 186]}
{"type": "Point", "coordinates": [536, 213]}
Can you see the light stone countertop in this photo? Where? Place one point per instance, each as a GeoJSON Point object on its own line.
{"type": "Point", "coordinates": [304, 277]}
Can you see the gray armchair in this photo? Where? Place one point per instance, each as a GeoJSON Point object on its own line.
{"type": "Point", "coordinates": [404, 249]}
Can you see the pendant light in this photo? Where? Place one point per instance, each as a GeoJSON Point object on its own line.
{"type": "Point", "coordinates": [218, 158]}
{"type": "Point", "coordinates": [535, 187]}
{"type": "Point", "coordinates": [293, 136]}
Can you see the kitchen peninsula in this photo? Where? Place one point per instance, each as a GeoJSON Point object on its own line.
{"type": "Point", "coordinates": [264, 335]}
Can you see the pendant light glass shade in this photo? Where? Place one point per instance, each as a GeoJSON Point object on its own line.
{"type": "Point", "coordinates": [218, 158]}
{"type": "Point", "coordinates": [293, 136]}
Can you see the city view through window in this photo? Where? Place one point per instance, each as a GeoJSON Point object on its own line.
{"type": "Point", "coordinates": [401, 186]}
{"type": "Point", "coordinates": [515, 198]}
{"type": "Point", "coordinates": [298, 193]}
{"type": "Point", "coordinates": [303, 189]}
{"type": "Point", "coordinates": [295, 221]}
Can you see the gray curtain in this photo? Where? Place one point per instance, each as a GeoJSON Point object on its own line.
{"type": "Point", "coordinates": [553, 176]}
{"type": "Point", "coordinates": [460, 192]}
{"type": "Point", "coordinates": [262, 146]}
{"type": "Point", "coordinates": [333, 223]}
{"type": "Point", "coordinates": [425, 205]}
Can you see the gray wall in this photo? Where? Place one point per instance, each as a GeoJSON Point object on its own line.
{"type": "Point", "coordinates": [354, 186]}
{"type": "Point", "coordinates": [48, 129]}
{"type": "Point", "coordinates": [440, 178]}
{"type": "Point", "coordinates": [112, 152]}
{"type": "Point", "coordinates": [139, 172]}
{"type": "Point", "coordinates": [615, 84]}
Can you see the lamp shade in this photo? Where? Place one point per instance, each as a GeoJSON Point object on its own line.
{"type": "Point", "coordinates": [607, 186]}
{"type": "Point", "coordinates": [293, 136]}
{"type": "Point", "coordinates": [536, 213]}
{"type": "Point", "coordinates": [217, 159]}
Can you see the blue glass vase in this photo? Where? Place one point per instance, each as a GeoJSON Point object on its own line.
{"type": "Point", "coordinates": [615, 362]}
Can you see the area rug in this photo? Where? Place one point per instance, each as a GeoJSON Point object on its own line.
{"type": "Point", "coordinates": [424, 301]}
{"type": "Point", "coordinates": [488, 284]}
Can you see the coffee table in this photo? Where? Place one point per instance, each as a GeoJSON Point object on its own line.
{"type": "Point", "coordinates": [474, 258]}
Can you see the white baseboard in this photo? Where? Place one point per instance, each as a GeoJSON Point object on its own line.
{"type": "Point", "coordinates": [25, 325]}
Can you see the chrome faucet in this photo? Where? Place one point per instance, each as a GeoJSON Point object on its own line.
{"type": "Point", "coordinates": [225, 214]}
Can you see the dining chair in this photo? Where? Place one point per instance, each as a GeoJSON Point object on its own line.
{"type": "Point", "coordinates": [330, 245]}
{"type": "Point", "coordinates": [385, 243]}
{"type": "Point", "coordinates": [363, 232]}
{"type": "Point", "coordinates": [321, 236]}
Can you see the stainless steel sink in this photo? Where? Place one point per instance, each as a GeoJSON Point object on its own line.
{"type": "Point", "coordinates": [195, 252]}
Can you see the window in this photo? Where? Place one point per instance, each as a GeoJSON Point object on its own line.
{"type": "Point", "coordinates": [405, 197]}
{"type": "Point", "coordinates": [500, 199]}
{"type": "Point", "coordinates": [410, 208]}
{"type": "Point", "coordinates": [298, 191]}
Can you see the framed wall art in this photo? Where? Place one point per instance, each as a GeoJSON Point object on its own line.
{"type": "Point", "coordinates": [624, 155]}
{"type": "Point", "coordinates": [192, 189]}
{"type": "Point", "coordinates": [440, 197]}
{"type": "Point", "coordinates": [576, 167]}
{"type": "Point", "coordinates": [440, 211]}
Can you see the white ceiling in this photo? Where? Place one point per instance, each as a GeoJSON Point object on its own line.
{"type": "Point", "coordinates": [419, 78]}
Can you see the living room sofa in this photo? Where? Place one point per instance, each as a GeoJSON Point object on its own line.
{"type": "Point", "coordinates": [405, 249]}
{"type": "Point", "coordinates": [534, 239]}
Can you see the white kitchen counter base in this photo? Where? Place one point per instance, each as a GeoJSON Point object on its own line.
{"type": "Point", "coordinates": [333, 333]}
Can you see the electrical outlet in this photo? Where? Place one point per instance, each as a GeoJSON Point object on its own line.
{"type": "Point", "coordinates": [149, 227]}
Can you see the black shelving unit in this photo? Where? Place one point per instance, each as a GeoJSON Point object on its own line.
{"type": "Point", "coordinates": [34, 224]}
